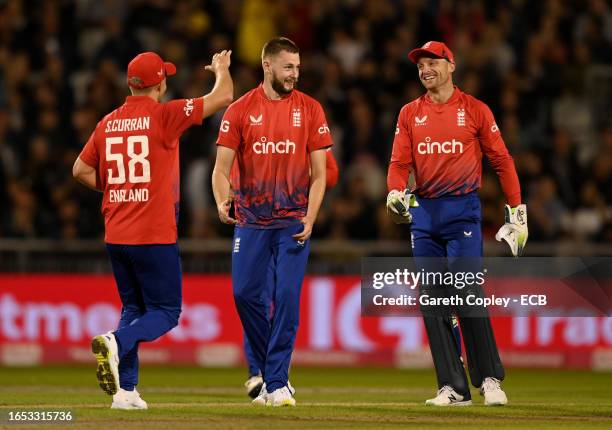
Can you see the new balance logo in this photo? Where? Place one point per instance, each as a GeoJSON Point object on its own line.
{"type": "Point", "coordinates": [256, 120]}
{"type": "Point", "coordinates": [420, 121]}
{"type": "Point", "coordinates": [237, 245]}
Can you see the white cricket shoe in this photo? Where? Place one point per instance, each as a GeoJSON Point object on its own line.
{"type": "Point", "coordinates": [253, 386]}
{"type": "Point", "coordinates": [128, 400]}
{"type": "Point", "coordinates": [105, 348]}
{"type": "Point", "coordinates": [291, 389]}
{"type": "Point", "coordinates": [262, 398]}
{"type": "Point", "coordinates": [492, 392]}
{"type": "Point", "coordinates": [447, 396]}
{"type": "Point", "coordinates": [280, 397]}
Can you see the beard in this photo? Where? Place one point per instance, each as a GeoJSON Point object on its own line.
{"type": "Point", "coordinates": [279, 86]}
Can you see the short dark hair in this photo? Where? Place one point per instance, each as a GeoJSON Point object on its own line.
{"type": "Point", "coordinates": [277, 45]}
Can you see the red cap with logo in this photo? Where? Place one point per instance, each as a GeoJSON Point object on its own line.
{"type": "Point", "coordinates": [148, 69]}
{"type": "Point", "coordinates": [432, 49]}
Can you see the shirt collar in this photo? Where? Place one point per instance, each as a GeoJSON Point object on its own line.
{"type": "Point", "coordinates": [263, 94]}
{"type": "Point", "coordinates": [139, 99]}
{"type": "Point", "coordinates": [454, 97]}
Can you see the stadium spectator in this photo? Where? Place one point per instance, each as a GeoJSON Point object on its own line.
{"type": "Point", "coordinates": [541, 66]}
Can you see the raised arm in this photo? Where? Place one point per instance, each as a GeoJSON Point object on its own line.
{"type": "Point", "coordinates": [222, 93]}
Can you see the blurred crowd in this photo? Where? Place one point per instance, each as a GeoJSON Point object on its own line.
{"type": "Point", "coordinates": [544, 68]}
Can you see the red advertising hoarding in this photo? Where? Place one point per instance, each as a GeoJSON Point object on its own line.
{"type": "Point", "coordinates": [51, 318]}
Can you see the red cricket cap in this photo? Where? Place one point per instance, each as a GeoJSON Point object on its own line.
{"type": "Point", "coordinates": [148, 69]}
{"type": "Point", "coordinates": [432, 49]}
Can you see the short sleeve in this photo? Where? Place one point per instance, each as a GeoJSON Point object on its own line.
{"type": "Point", "coordinates": [320, 136]}
{"type": "Point", "coordinates": [178, 115]}
{"type": "Point", "coordinates": [230, 129]}
{"type": "Point", "coordinates": [90, 155]}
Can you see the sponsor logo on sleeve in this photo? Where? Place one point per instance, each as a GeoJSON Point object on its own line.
{"type": "Point", "coordinates": [494, 128]}
{"type": "Point", "coordinates": [188, 108]}
{"type": "Point", "coordinates": [225, 124]}
{"type": "Point", "coordinates": [323, 129]}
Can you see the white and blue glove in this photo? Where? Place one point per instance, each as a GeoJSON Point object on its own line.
{"type": "Point", "coordinates": [398, 205]}
{"type": "Point", "coordinates": [514, 231]}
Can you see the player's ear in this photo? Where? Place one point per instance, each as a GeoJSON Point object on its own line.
{"type": "Point", "coordinates": [451, 67]}
{"type": "Point", "coordinates": [265, 64]}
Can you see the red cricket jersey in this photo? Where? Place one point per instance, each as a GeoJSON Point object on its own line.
{"type": "Point", "coordinates": [135, 152]}
{"type": "Point", "coordinates": [443, 145]}
{"type": "Point", "coordinates": [272, 139]}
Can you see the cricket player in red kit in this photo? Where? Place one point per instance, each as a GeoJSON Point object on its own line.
{"type": "Point", "coordinates": [132, 157]}
{"type": "Point", "coordinates": [441, 138]}
{"type": "Point", "coordinates": [278, 137]}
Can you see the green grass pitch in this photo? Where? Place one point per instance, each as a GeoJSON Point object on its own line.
{"type": "Point", "coordinates": [197, 398]}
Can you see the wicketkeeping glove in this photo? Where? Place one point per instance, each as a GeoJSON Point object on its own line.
{"type": "Point", "coordinates": [398, 203]}
{"type": "Point", "coordinates": [514, 231]}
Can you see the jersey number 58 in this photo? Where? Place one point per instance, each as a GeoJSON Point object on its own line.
{"type": "Point", "coordinates": [140, 158]}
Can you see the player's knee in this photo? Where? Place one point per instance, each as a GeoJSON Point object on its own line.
{"type": "Point", "coordinates": [244, 297]}
{"type": "Point", "coordinates": [173, 317]}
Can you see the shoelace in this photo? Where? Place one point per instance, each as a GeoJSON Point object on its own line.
{"type": "Point", "coordinates": [490, 384]}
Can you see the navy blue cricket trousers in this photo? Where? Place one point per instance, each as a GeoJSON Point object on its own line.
{"type": "Point", "coordinates": [271, 339]}
{"type": "Point", "coordinates": [149, 282]}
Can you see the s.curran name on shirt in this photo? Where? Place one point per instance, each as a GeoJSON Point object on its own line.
{"type": "Point", "coordinates": [128, 124]}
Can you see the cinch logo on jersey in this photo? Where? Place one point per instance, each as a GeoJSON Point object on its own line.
{"type": "Point", "coordinates": [264, 147]}
{"type": "Point", "coordinates": [448, 147]}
